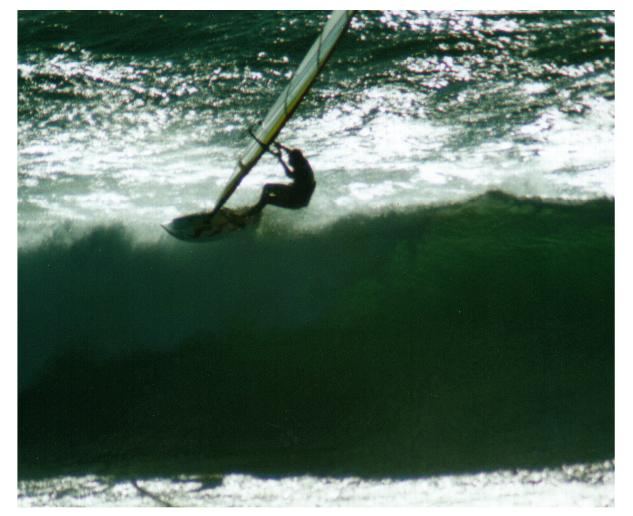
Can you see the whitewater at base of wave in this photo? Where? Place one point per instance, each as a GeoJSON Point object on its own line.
{"type": "Point", "coordinates": [580, 485]}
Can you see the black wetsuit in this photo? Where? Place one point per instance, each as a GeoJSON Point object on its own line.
{"type": "Point", "coordinates": [294, 195]}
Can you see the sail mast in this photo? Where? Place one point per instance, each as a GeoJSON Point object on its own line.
{"type": "Point", "coordinates": [289, 99]}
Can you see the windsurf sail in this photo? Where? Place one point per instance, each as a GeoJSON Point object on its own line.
{"type": "Point", "coordinates": [287, 102]}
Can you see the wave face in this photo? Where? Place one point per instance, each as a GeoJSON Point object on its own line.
{"type": "Point", "coordinates": [459, 337]}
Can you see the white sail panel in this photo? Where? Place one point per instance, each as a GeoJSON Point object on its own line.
{"type": "Point", "coordinates": [289, 99]}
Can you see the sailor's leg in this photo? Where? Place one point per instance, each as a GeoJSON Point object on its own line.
{"type": "Point", "coordinates": [268, 196]}
{"type": "Point", "coordinates": [281, 195]}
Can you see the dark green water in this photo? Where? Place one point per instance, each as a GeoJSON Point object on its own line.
{"type": "Point", "coordinates": [473, 336]}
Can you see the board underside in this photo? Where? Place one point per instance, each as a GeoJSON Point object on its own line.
{"type": "Point", "coordinates": [205, 226]}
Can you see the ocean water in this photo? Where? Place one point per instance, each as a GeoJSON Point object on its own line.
{"type": "Point", "coordinates": [436, 328]}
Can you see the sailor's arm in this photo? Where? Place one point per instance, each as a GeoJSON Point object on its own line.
{"type": "Point", "coordinates": [287, 169]}
{"type": "Point", "coordinates": [281, 146]}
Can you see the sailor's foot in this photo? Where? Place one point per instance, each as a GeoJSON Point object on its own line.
{"type": "Point", "coordinates": [249, 212]}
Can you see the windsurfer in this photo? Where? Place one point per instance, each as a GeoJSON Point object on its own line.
{"type": "Point", "coordinates": [293, 195]}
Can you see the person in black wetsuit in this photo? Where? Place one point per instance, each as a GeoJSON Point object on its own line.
{"type": "Point", "coordinates": [294, 195]}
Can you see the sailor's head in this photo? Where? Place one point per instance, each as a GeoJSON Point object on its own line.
{"type": "Point", "coordinates": [295, 156]}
